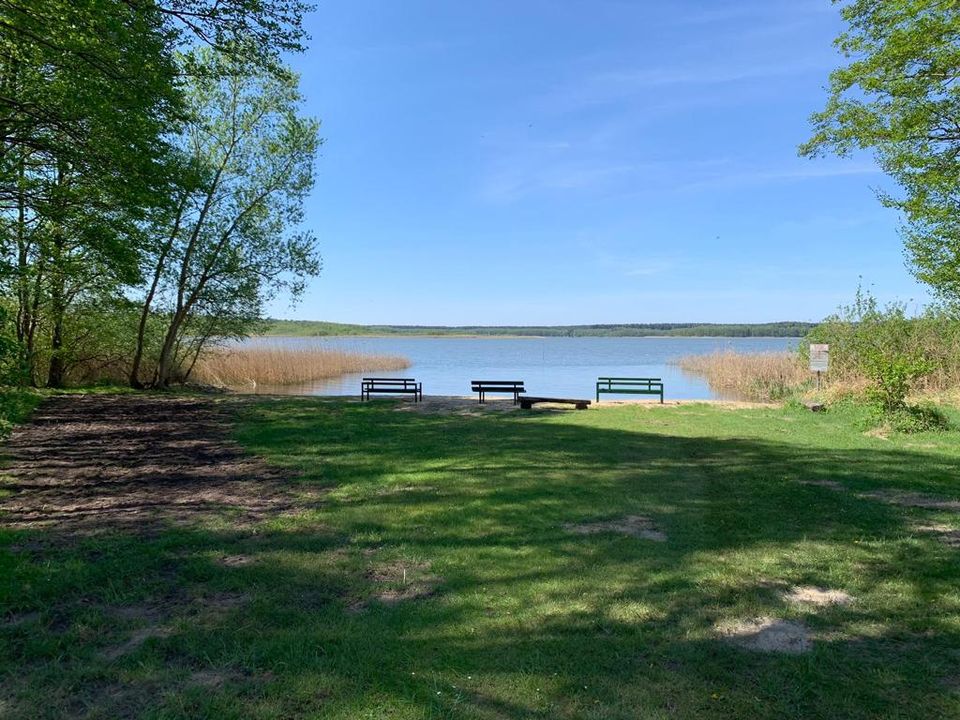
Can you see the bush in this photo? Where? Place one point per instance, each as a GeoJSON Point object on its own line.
{"type": "Point", "coordinates": [895, 353]}
{"type": "Point", "coordinates": [916, 418]}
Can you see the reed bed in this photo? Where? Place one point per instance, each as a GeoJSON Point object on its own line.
{"type": "Point", "coordinates": [240, 367]}
{"type": "Point", "coordinates": [762, 377]}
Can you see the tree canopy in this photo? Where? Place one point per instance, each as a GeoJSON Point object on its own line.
{"type": "Point", "coordinates": [100, 115]}
{"type": "Point", "coordinates": [898, 97]}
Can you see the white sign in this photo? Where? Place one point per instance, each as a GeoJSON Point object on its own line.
{"type": "Point", "coordinates": [819, 357]}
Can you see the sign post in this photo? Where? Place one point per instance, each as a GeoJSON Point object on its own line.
{"type": "Point", "coordinates": [819, 359]}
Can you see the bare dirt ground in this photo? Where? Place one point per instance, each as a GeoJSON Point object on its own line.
{"type": "Point", "coordinates": [99, 462]}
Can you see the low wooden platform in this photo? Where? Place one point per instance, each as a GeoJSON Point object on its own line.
{"type": "Point", "coordinates": [527, 402]}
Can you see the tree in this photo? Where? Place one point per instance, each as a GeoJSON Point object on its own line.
{"type": "Point", "coordinates": [230, 240]}
{"type": "Point", "coordinates": [91, 91]}
{"type": "Point", "coordinates": [899, 97]}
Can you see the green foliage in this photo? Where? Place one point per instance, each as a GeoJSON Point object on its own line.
{"type": "Point", "coordinates": [893, 374]}
{"type": "Point", "coordinates": [312, 328]}
{"type": "Point", "coordinates": [16, 404]}
{"type": "Point", "coordinates": [96, 104]}
{"type": "Point", "coordinates": [883, 345]}
{"type": "Point", "coordinates": [909, 419]}
{"type": "Point", "coordinates": [233, 239]}
{"type": "Point", "coordinates": [899, 97]}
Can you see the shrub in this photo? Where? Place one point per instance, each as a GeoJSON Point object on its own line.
{"type": "Point", "coordinates": [916, 418]}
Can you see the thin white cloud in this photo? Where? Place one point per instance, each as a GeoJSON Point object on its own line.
{"type": "Point", "coordinates": [811, 170]}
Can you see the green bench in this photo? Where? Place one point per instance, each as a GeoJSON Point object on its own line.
{"type": "Point", "coordinates": [630, 386]}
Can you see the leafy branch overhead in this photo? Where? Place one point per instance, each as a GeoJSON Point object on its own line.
{"type": "Point", "coordinates": [898, 97]}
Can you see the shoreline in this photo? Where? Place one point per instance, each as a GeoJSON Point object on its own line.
{"type": "Point", "coordinates": [529, 337]}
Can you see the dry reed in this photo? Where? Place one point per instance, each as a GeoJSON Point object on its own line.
{"type": "Point", "coordinates": [755, 376]}
{"type": "Point", "coordinates": [276, 365]}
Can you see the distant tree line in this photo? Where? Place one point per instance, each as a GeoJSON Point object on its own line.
{"type": "Point", "coordinates": [307, 328]}
{"type": "Point", "coordinates": [153, 166]}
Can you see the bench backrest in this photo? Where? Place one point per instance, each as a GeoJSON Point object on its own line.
{"type": "Point", "coordinates": [606, 384]}
{"type": "Point", "coordinates": [496, 383]}
{"type": "Point", "coordinates": [392, 382]}
{"type": "Point", "coordinates": [626, 379]}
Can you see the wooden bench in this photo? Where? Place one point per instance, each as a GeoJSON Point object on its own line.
{"type": "Point", "coordinates": [514, 387]}
{"type": "Point", "coordinates": [527, 402]}
{"type": "Point", "coordinates": [630, 386]}
{"type": "Point", "coordinates": [393, 386]}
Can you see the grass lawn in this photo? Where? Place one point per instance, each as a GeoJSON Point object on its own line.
{"type": "Point", "coordinates": [441, 575]}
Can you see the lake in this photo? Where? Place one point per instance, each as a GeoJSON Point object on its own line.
{"type": "Point", "coordinates": [559, 367]}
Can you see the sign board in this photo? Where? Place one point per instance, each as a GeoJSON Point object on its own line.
{"type": "Point", "coordinates": [819, 358]}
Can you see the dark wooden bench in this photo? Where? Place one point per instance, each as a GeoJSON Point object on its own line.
{"type": "Point", "coordinates": [510, 387]}
{"type": "Point", "coordinates": [393, 386]}
{"type": "Point", "coordinates": [630, 386]}
{"type": "Point", "coordinates": [527, 402]}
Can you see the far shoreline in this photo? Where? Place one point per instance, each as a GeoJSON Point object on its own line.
{"type": "Point", "coordinates": [437, 336]}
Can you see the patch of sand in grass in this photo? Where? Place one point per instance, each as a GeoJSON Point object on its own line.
{"type": "Point", "coordinates": [638, 526]}
{"type": "Point", "coordinates": [819, 597]}
{"type": "Point", "coordinates": [947, 534]}
{"type": "Point", "coordinates": [765, 634]}
{"type": "Point", "coordinates": [400, 489]}
{"type": "Point", "coordinates": [213, 678]}
{"type": "Point", "coordinates": [829, 484]}
{"type": "Point", "coordinates": [136, 640]}
{"type": "Point", "coordinates": [235, 561]}
{"type": "Point", "coordinates": [880, 433]}
{"type": "Point", "coordinates": [911, 499]}
{"type": "Point", "coordinates": [398, 581]}
{"type": "Point", "coordinates": [158, 619]}
{"type": "Point", "coordinates": [720, 404]}
{"type": "Point", "coordinates": [18, 619]}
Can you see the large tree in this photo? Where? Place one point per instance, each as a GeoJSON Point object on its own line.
{"type": "Point", "coordinates": [898, 96]}
{"type": "Point", "coordinates": [231, 238]}
{"type": "Point", "coordinates": [91, 93]}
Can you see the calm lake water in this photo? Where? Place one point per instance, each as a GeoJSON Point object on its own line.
{"type": "Point", "coordinates": [559, 367]}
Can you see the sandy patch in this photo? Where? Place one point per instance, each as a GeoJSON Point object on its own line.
{"type": "Point", "coordinates": [398, 581]}
{"type": "Point", "coordinates": [829, 484]}
{"type": "Point", "coordinates": [18, 619]}
{"type": "Point", "coordinates": [136, 640]}
{"type": "Point", "coordinates": [638, 526]}
{"type": "Point", "coordinates": [948, 535]}
{"type": "Point", "coordinates": [721, 404]}
{"type": "Point", "coordinates": [401, 489]}
{"type": "Point", "coordinates": [765, 634]}
{"type": "Point", "coordinates": [880, 433]}
{"type": "Point", "coordinates": [213, 678]}
{"type": "Point", "coordinates": [234, 561]}
{"type": "Point", "coordinates": [909, 499]}
{"type": "Point", "coordinates": [818, 597]}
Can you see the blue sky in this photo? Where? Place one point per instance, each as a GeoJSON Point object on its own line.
{"type": "Point", "coordinates": [559, 162]}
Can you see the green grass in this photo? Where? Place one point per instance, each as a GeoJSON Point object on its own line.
{"type": "Point", "coordinates": [527, 620]}
{"type": "Point", "coordinates": [16, 404]}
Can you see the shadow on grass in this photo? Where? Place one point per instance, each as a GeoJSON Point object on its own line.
{"type": "Point", "coordinates": [528, 620]}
